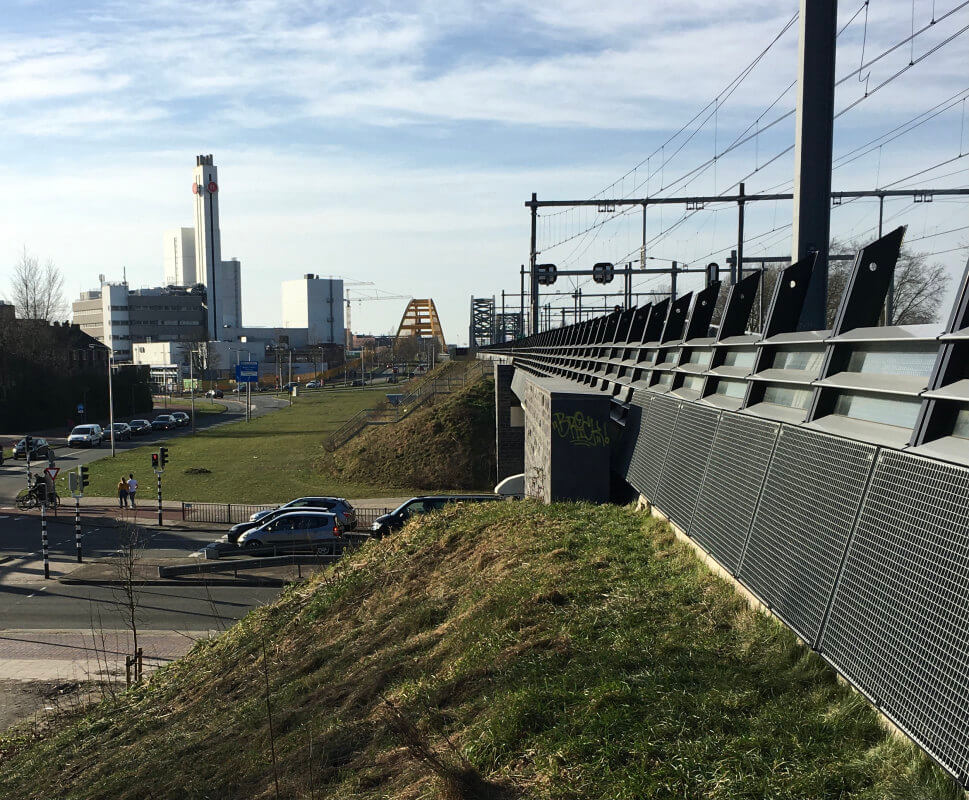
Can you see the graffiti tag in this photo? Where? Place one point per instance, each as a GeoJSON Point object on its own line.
{"type": "Point", "coordinates": [580, 429]}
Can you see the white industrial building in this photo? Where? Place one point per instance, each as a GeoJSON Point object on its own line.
{"type": "Point", "coordinates": [315, 304]}
{"type": "Point", "coordinates": [179, 250]}
{"type": "Point", "coordinates": [202, 302]}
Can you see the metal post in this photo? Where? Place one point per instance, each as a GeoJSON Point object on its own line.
{"type": "Point", "coordinates": [733, 267]}
{"type": "Point", "coordinates": [642, 250]}
{"type": "Point", "coordinates": [761, 289]}
{"type": "Point", "coordinates": [814, 132]}
{"type": "Point", "coordinates": [740, 234]}
{"type": "Point", "coordinates": [158, 476]}
{"type": "Point", "coordinates": [77, 527]}
{"type": "Point", "coordinates": [44, 546]}
{"type": "Point", "coordinates": [521, 300]}
{"type": "Point", "coordinates": [531, 263]}
{"type": "Point", "coordinates": [111, 401]}
{"type": "Point", "coordinates": [890, 295]}
{"type": "Point", "coordinates": [191, 385]}
{"type": "Point", "coordinates": [673, 281]}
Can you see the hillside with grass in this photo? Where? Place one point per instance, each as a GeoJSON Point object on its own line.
{"type": "Point", "coordinates": [507, 650]}
{"type": "Point", "coordinates": [448, 445]}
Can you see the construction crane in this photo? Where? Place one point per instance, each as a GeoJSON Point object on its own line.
{"type": "Point", "coordinates": [365, 299]}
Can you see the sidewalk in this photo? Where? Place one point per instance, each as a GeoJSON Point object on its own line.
{"type": "Point", "coordinates": [74, 655]}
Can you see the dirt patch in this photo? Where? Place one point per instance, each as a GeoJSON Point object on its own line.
{"type": "Point", "coordinates": [21, 700]}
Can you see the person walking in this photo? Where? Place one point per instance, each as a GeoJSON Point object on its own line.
{"type": "Point", "coordinates": [122, 493]}
{"type": "Point", "coordinates": [132, 488]}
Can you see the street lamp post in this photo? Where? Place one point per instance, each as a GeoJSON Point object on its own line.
{"type": "Point", "coordinates": [111, 401]}
{"type": "Point", "coordinates": [191, 384]}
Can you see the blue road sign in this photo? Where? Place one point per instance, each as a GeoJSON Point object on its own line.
{"type": "Point", "coordinates": [80, 408]}
{"type": "Point", "coordinates": [247, 372]}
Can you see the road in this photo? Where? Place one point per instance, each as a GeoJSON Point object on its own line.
{"type": "Point", "coordinates": [13, 472]}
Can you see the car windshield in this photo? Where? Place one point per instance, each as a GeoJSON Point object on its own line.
{"type": "Point", "coordinates": [81, 429]}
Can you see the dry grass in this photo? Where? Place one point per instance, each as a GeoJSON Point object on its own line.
{"type": "Point", "coordinates": [500, 651]}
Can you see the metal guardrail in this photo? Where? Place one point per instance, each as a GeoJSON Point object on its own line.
{"type": "Point", "coordinates": [221, 513]}
{"type": "Point", "coordinates": [234, 513]}
{"type": "Point", "coordinates": [409, 402]}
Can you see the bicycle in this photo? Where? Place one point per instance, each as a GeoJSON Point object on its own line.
{"type": "Point", "coordinates": [33, 498]}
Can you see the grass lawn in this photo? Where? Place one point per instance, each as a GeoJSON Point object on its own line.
{"type": "Point", "coordinates": [264, 461]}
{"type": "Point", "coordinates": [505, 651]}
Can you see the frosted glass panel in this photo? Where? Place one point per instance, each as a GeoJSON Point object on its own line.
{"type": "Point", "coordinates": [884, 361]}
{"type": "Point", "coordinates": [786, 396]}
{"type": "Point", "coordinates": [808, 360]}
{"type": "Point", "coordinates": [889, 411]}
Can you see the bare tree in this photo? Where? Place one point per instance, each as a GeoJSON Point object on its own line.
{"type": "Point", "coordinates": [38, 291]}
{"type": "Point", "coordinates": [126, 562]}
{"type": "Point", "coordinates": [920, 286]}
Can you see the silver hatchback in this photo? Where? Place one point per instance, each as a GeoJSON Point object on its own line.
{"type": "Point", "coordinates": [318, 531]}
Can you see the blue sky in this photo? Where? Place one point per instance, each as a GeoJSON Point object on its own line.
{"type": "Point", "coordinates": [396, 142]}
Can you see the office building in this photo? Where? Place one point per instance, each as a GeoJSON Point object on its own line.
{"type": "Point", "coordinates": [118, 316]}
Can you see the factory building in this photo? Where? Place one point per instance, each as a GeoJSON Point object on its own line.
{"type": "Point", "coordinates": [202, 302]}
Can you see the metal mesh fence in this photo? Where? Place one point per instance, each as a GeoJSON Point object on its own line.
{"type": "Point", "coordinates": [899, 618]}
{"type": "Point", "coordinates": [649, 455]}
{"type": "Point", "coordinates": [807, 508]}
{"type": "Point", "coordinates": [686, 462]}
{"type": "Point", "coordinates": [739, 458]}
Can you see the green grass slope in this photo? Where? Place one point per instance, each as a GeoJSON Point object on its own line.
{"type": "Point", "coordinates": [501, 651]}
{"type": "Point", "coordinates": [449, 445]}
{"type": "Point", "coordinates": [268, 460]}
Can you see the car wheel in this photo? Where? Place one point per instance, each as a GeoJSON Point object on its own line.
{"type": "Point", "coordinates": [324, 549]}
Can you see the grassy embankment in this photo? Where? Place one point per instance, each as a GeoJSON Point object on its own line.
{"type": "Point", "coordinates": [502, 651]}
{"type": "Point", "coordinates": [446, 446]}
{"type": "Point", "coordinates": [271, 458]}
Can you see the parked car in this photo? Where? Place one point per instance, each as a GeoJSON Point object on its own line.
{"type": "Point", "coordinates": [216, 392]}
{"type": "Point", "coordinates": [288, 387]}
{"type": "Point", "coordinates": [339, 506]}
{"type": "Point", "coordinates": [140, 426]}
{"type": "Point", "coordinates": [39, 448]}
{"type": "Point", "coordinates": [163, 422]}
{"type": "Point", "coordinates": [181, 419]}
{"type": "Point", "coordinates": [86, 436]}
{"type": "Point", "coordinates": [122, 431]}
{"type": "Point", "coordinates": [396, 519]}
{"type": "Point", "coordinates": [313, 385]}
{"type": "Point", "coordinates": [317, 530]}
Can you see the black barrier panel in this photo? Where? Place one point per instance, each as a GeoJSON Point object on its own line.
{"type": "Point", "coordinates": [899, 621]}
{"type": "Point", "coordinates": [655, 431]}
{"type": "Point", "coordinates": [686, 462]}
{"type": "Point", "coordinates": [627, 438]}
{"type": "Point", "coordinates": [807, 508]}
{"type": "Point", "coordinates": [739, 457]}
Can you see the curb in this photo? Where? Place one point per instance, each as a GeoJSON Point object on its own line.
{"type": "Point", "coordinates": [243, 582]}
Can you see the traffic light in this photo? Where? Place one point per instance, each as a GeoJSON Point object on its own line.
{"type": "Point", "coordinates": [154, 460]}
{"type": "Point", "coordinates": [545, 274]}
{"type": "Point", "coordinates": [85, 477]}
{"type": "Point", "coordinates": [28, 446]}
{"type": "Point", "coordinates": [164, 456]}
{"type": "Point", "coordinates": [603, 272]}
